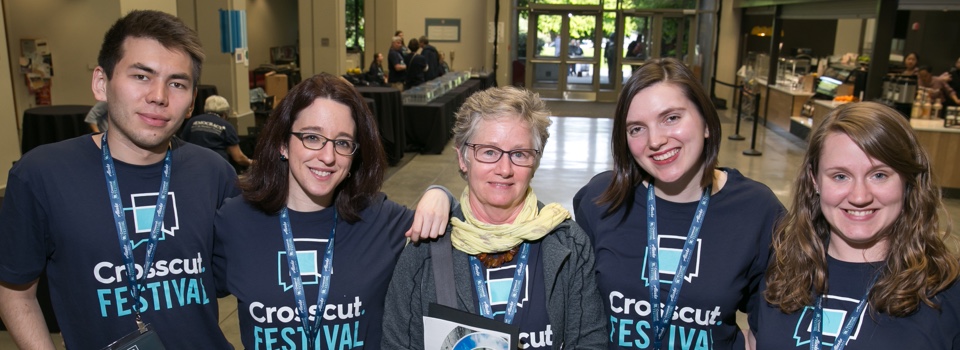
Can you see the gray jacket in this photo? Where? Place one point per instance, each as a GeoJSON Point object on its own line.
{"type": "Point", "coordinates": [574, 304]}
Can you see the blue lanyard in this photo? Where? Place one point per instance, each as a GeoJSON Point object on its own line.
{"type": "Point", "coordinates": [660, 323]}
{"type": "Point", "coordinates": [816, 334]}
{"type": "Point", "coordinates": [119, 217]}
{"type": "Point", "coordinates": [478, 282]}
{"type": "Point", "coordinates": [311, 329]}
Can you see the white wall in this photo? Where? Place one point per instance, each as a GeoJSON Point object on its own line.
{"type": "Point", "coordinates": [74, 44]}
{"type": "Point", "coordinates": [269, 24]}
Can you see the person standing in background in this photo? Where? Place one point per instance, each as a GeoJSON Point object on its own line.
{"type": "Point", "coordinates": [212, 130]}
{"type": "Point", "coordinates": [953, 76]}
{"type": "Point", "coordinates": [911, 64]}
{"type": "Point", "coordinates": [375, 73]}
{"type": "Point", "coordinates": [97, 117]}
{"type": "Point", "coordinates": [444, 67]}
{"type": "Point", "coordinates": [417, 66]}
{"type": "Point", "coordinates": [87, 210]}
{"type": "Point", "coordinates": [396, 65]}
{"type": "Point", "coordinates": [610, 53]}
{"type": "Point", "coordinates": [403, 45]}
{"type": "Point", "coordinates": [433, 59]}
{"type": "Point", "coordinates": [937, 87]}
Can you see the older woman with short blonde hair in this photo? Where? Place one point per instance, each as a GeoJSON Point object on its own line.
{"type": "Point", "coordinates": [514, 259]}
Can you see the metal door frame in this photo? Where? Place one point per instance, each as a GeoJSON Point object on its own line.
{"type": "Point", "coordinates": [563, 60]}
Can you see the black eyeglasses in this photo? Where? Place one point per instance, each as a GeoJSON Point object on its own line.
{"type": "Point", "coordinates": [492, 154]}
{"type": "Point", "coordinates": [316, 142]}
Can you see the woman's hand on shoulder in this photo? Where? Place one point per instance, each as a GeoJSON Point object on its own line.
{"type": "Point", "coordinates": [431, 217]}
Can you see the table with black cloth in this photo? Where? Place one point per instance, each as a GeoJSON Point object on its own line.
{"type": "Point", "coordinates": [203, 91]}
{"type": "Point", "coordinates": [48, 124]}
{"type": "Point", "coordinates": [487, 80]}
{"type": "Point", "coordinates": [388, 110]}
{"type": "Point", "coordinates": [430, 125]}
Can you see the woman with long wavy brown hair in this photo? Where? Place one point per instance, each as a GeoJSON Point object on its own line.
{"type": "Point", "coordinates": [860, 259]}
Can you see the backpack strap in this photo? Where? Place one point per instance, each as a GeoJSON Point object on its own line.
{"type": "Point", "coordinates": [441, 253]}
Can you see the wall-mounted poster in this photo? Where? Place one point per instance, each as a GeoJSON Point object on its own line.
{"type": "Point", "coordinates": [442, 29]}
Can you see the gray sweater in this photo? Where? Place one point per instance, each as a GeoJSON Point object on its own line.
{"type": "Point", "coordinates": [574, 304]}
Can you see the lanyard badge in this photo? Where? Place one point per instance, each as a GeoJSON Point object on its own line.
{"type": "Point", "coordinates": [660, 323]}
{"type": "Point", "coordinates": [816, 332]}
{"type": "Point", "coordinates": [311, 329]}
{"type": "Point", "coordinates": [479, 284]}
{"type": "Point", "coordinates": [119, 217]}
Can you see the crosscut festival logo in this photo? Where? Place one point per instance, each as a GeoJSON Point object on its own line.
{"type": "Point", "coordinates": [690, 327]}
{"type": "Point", "coordinates": [670, 253]}
{"type": "Point", "coordinates": [833, 319]}
{"type": "Point", "coordinates": [171, 283]}
{"type": "Point", "coordinates": [279, 326]}
{"type": "Point", "coordinates": [499, 282]}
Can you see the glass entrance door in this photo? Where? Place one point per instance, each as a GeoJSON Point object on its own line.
{"type": "Point", "coordinates": [655, 35]}
{"type": "Point", "coordinates": [563, 57]}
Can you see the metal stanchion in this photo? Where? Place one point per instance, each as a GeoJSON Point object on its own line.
{"type": "Point", "coordinates": [756, 117]}
{"type": "Point", "coordinates": [736, 133]}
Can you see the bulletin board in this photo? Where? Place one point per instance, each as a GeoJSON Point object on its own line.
{"type": "Point", "coordinates": [442, 30]}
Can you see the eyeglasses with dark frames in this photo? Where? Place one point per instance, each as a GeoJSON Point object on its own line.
{"type": "Point", "coordinates": [492, 154]}
{"type": "Point", "coordinates": [316, 142]}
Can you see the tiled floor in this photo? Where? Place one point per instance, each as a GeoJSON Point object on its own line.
{"type": "Point", "coordinates": [578, 148]}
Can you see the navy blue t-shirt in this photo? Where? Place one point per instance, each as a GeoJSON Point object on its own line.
{"type": "Point", "coordinates": [531, 316]}
{"type": "Point", "coordinates": [57, 216]}
{"type": "Point", "coordinates": [394, 57]}
{"type": "Point", "coordinates": [723, 276]}
{"type": "Point", "coordinates": [211, 131]}
{"type": "Point", "coordinates": [251, 264]}
{"type": "Point", "coordinates": [925, 329]}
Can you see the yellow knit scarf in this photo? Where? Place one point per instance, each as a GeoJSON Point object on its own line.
{"type": "Point", "coordinates": [474, 237]}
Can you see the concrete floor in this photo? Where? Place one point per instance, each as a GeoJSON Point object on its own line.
{"type": "Point", "coordinates": [578, 148]}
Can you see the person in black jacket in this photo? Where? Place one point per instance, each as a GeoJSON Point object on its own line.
{"type": "Point", "coordinates": [430, 53]}
{"type": "Point", "coordinates": [416, 67]}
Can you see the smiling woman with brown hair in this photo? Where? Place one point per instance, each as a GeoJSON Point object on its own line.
{"type": "Point", "coordinates": [860, 259]}
{"type": "Point", "coordinates": [315, 186]}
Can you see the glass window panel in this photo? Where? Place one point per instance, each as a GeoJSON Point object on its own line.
{"type": "Point", "coordinates": [522, 25]}
{"type": "Point", "coordinates": [581, 35]}
{"type": "Point", "coordinates": [675, 37]}
{"type": "Point", "coordinates": [548, 36]}
{"type": "Point", "coordinates": [638, 38]}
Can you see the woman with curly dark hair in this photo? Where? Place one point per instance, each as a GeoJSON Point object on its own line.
{"type": "Point", "coordinates": [860, 259]}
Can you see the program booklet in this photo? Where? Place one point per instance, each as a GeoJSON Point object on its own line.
{"type": "Point", "coordinates": [446, 328]}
